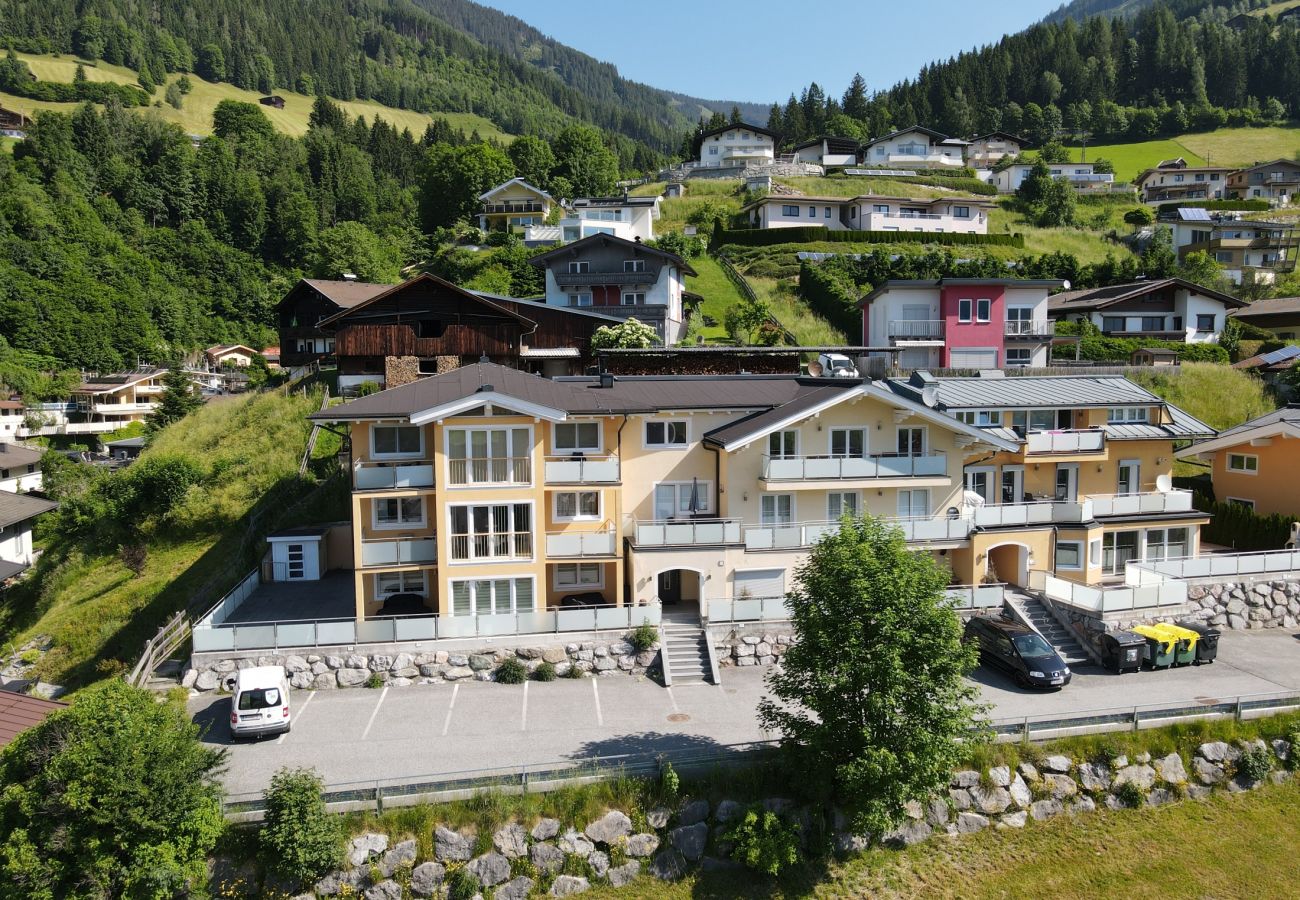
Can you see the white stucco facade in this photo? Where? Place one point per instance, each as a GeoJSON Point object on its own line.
{"type": "Point", "coordinates": [736, 146]}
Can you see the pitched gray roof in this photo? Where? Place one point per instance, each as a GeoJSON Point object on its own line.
{"type": "Point", "coordinates": [1289, 414]}
{"type": "Point", "coordinates": [1100, 298]}
{"type": "Point", "coordinates": [17, 455]}
{"type": "Point", "coordinates": [21, 507]}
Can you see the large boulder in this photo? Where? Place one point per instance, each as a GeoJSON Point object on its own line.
{"type": "Point", "coordinates": [401, 855]}
{"type": "Point", "coordinates": [990, 801]}
{"type": "Point", "coordinates": [968, 822]}
{"type": "Point", "coordinates": [385, 890]}
{"type": "Point", "coordinates": [1001, 775]}
{"type": "Point", "coordinates": [364, 846]}
{"type": "Point", "coordinates": [516, 889]}
{"type": "Point", "coordinates": [728, 811]}
{"type": "Point", "coordinates": [546, 857]}
{"type": "Point", "coordinates": [1217, 752]}
{"type": "Point", "coordinates": [450, 845]}
{"type": "Point", "coordinates": [352, 677]}
{"type": "Point", "coordinates": [1058, 764]}
{"type": "Point", "coordinates": [1094, 776]}
{"type": "Point", "coordinates": [642, 845]}
{"type": "Point", "coordinates": [1208, 772]}
{"type": "Point", "coordinates": [426, 878]}
{"type": "Point", "coordinates": [910, 832]}
{"type": "Point", "coordinates": [573, 841]}
{"type": "Point", "coordinates": [546, 829]}
{"type": "Point", "coordinates": [1020, 793]}
{"type": "Point", "coordinates": [1142, 776]}
{"type": "Point", "coordinates": [564, 885]}
{"type": "Point", "coordinates": [1060, 786]}
{"type": "Point", "coordinates": [1171, 769]}
{"type": "Point", "coordinates": [658, 817]}
{"type": "Point", "coordinates": [599, 862]}
{"type": "Point", "coordinates": [490, 869]}
{"type": "Point", "coordinates": [1045, 809]}
{"type": "Point", "coordinates": [690, 840]}
{"type": "Point", "coordinates": [511, 841]}
{"type": "Point", "coordinates": [609, 828]}
{"type": "Point", "coordinates": [695, 811]}
{"type": "Point", "coordinates": [624, 874]}
{"type": "Point", "coordinates": [668, 865]}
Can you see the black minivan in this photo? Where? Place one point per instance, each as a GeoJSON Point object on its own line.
{"type": "Point", "coordinates": [1018, 650]}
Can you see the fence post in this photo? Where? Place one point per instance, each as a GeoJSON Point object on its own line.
{"type": "Point", "coordinates": [1135, 718]}
{"type": "Point", "coordinates": [379, 799]}
{"type": "Point", "coordinates": [1025, 730]}
{"type": "Point", "coordinates": [1237, 715]}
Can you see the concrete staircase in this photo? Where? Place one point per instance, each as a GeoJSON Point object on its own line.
{"type": "Point", "coordinates": [685, 651]}
{"type": "Point", "coordinates": [1034, 613]}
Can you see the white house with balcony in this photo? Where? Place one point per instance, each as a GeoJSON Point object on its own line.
{"type": "Point", "coordinates": [868, 212]}
{"type": "Point", "coordinates": [626, 217]}
{"type": "Point", "coordinates": [915, 148]}
{"type": "Point", "coordinates": [735, 145]}
{"type": "Point", "coordinates": [113, 401]}
{"type": "Point", "coordinates": [1082, 176]}
{"type": "Point", "coordinates": [987, 150]}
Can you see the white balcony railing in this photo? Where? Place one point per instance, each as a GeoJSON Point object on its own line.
{"type": "Point", "coordinates": [492, 470]}
{"type": "Point", "coordinates": [580, 543]}
{"type": "Point", "coordinates": [916, 329]}
{"type": "Point", "coordinates": [1084, 441]}
{"type": "Point", "coordinates": [1041, 512]}
{"type": "Point", "coordinates": [885, 465]}
{"type": "Point", "coordinates": [1015, 327]}
{"type": "Point", "coordinates": [372, 476]}
{"type": "Point", "coordinates": [497, 545]}
{"type": "Point", "coordinates": [687, 532]}
{"type": "Point", "coordinates": [1139, 504]}
{"type": "Point", "coordinates": [581, 469]}
{"type": "Point", "coordinates": [122, 409]}
{"type": "Point", "coordinates": [796, 535]}
{"type": "Point", "coordinates": [399, 552]}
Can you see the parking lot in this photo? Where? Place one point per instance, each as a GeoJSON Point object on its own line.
{"type": "Point", "coordinates": [364, 735]}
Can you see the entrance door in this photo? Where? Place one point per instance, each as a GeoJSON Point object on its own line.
{"type": "Point", "coordinates": [1013, 484]}
{"type": "Point", "coordinates": [297, 570]}
{"type": "Point", "coordinates": [670, 586]}
{"type": "Point", "coordinates": [1067, 482]}
{"type": "Point", "coordinates": [1129, 476]}
{"type": "Point", "coordinates": [980, 481]}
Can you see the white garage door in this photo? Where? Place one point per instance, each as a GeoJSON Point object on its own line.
{"type": "Point", "coordinates": [759, 583]}
{"type": "Point", "coordinates": [974, 358]}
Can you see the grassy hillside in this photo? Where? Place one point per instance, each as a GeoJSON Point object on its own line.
{"type": "Point", "coordinates": [95, 608]}
{"type": "Point", "coordinates": [195, 115]}
{"type": "Point", "coordinates": [1225, 147]}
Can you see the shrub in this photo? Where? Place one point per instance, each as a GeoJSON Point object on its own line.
{"type": "Point", "coordinates": [461, 884]}
{"type": "Point", "coordinates": [669, 782]}
{"type": "Point", "coordinates": [376, 680]}
{"type": "Point", "coordinates": [512, 671]}
{"type": "Point", "coordinates": [764, 843]}
{"type": "Point", "coordinates": [1254, 763]}
{"type": "Point", "coordinates": [573, 672]}
{"type": "Point", "coordinates": [1293, 755]}
{"type": "Point", "coordinates": [1240, 527]}
{"type": "Point", "coordinates": [1130, 794]}
{"type": "Point", "coordinates": [300, 840]}
{"type": "Point", "coordinates": [803, 234]}
{"type": "Point", "coordinates": [544, 672]}
{"type": "Point", "coordinates": [643, 637]}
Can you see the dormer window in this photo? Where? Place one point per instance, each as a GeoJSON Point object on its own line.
{"type": "Point", "coordinates": [634, 265]}
{"type": "Point", "coordinates": [579, 268]}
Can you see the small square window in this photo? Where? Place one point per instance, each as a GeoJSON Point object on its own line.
{"type": "Point", "coordinates": [1244, 463]}
{"type": "Point", "coordinates": [665, 433]}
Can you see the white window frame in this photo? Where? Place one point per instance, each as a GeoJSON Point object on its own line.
{"type": "Point", "coordinates": [473, 599]}
{"type": "Point", "coordinates": [983, 310]}
{"type": "Point", "coordinates": [980, 418]}
{"type": "Point", "coordinates": [846, 429]}
{"type": "Point", "coordinates": [1026, 352]}
{"type": "Point", "coordinates": [682, 496]}
{"type": "Point", "coordinates": [1134, 465]}
{"type": "Point", "coordinates": [633, 298]}
{"type": "Point", "coordinates": [375, 454]}
{"type": "Point", "coordinates": [511, 454]}
{"type": "Point", "coordinates": [633, 265]}
{"type": "Point", "coordinates": [857, 504]}
{"type": "Point", "coordinates": [1127, 415]}
{"type": "Point", "coordinates": [582, 298]}
{"type": "Point", "coordinates": [402, 524]}
{"type": "Point", "coordinates": [579, 267]}
{"type": "Point", "coordinates": [403, 585]}
{"type": "Point", "coordinates": [965, 310]}
{"type": "Point", "coordinates": [781, 436]}
{"type": "Point", "coordinates": [472, 559]}
{"type": "Point", "coordinates": [1245, 468]}
{"type": "Point", "coordinates": [649, 445]}
{"type": "Point", "coordinates": [1241, 501]}
{"type": "Point", "coordinates": [598, 447]}
{"type": "Point", "coordinates": [578, 516]}
{"type": "Point", "coordinates": [1164, 543]}
{"type": "Point", "coordinates": [578, 568]}
{"type": "Point", "coordinates": [925, 439]}
{"type": "Point", "coordinates": [912, 495]}
{"type": "Point", "coordinates": [1078, 549]}
{"type": "Point", "coordinates": [775, 520]}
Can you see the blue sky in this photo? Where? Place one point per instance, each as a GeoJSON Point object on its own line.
{"type": "Point", "coordinates": [759, 51]}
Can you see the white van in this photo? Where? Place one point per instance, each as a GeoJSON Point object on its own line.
{"type": "Point", "coordinates": [259, 702]}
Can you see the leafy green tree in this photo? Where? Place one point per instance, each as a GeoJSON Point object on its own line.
{"type": "Point", "coordinates": [872, 694]}
{"type": "Point", "coordinates": [1158, 259]}
{"type": "Point", "coordinates": [582, 158]}
{"type": "Point", "coordinates": [112, 797]}
{"type": "Point", "coordinates": [173, 95]}
{"type": "Point", "coordinates": [745, 318]}
{"type": "Point", "coordinates": [762, 842]}
{"type": "Point", "coordinates": [212, 63]}
{"type": "Point", "coordinates": [300, 840]}
{"type": "Point", "coordinates": [533, 160]}
{"type": "Point", "coordinates": [855, 102]}
{"type": "Point", "coordinates": [632, 334]}
{"type": "Point", "coordinates": [179, 398]}
{"type": "Point", "coordinates": [1139, 217]}
{"type": "Point", "coordinates": [236, 120]}
{"type": "Point", "coordinates": [1054, 152]}
{"type": "Point", "coordinates": [453, 179]}
{"type": "Point", "coordinates": [350, 247]}
{"type": "Point", "coordinates": [1201, 268]}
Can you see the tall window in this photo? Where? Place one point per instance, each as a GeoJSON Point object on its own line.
{"type": "Point", "coordinates": [848, 443]}
{"type": "Point", "coordinates": [398, 512]}
{"type": "Point", "coordinates": [777, 509]}
{"type": "Point", "coordinates": [983, 310]}
{"type": "Point", "coordinates": [1129, 476]}
{"type": "Point", "coordinates": [840, 504]}
{"type": "Point", "coordinates": [914, 504]}
{"type": "Point", "coordinates": [1020, 319]}
{"type": "Point", "coordinates": [579, 268]}
{"type": "Point", "coordinates": [1166, 543]}
{"type": "Point", "coordinates": [577, 505]}
{"type": "Point", "coordinates": [911, 441]}
{"type": "Point", "coordinates": [576, 437]}
{"type": "Point", "coordinates": [681, 499]}
{"type": "Point", "coordinates": [495, 596]}
{"type": "Point", "coordinates": [491, 531]}
{"type": "Point", "coordinates": [396, 440]}
{"type": "Point", "coordinates": [964, 308]}
{"type": "Point", "coordinates": [634, 298]}
{"type": "Point", "coordinates": [490, 455]}
{"type": "Point", "coordinates": [634, 265]}
{"type": "Point", "coordinates": [1117, 548]}
{"type": "Point", "coordinates": [783, 444]}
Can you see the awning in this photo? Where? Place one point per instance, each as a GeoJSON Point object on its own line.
{"type": "Point", "coordinates": [549, 353]}
{"type": "Point", "coordinates": [10, 569]}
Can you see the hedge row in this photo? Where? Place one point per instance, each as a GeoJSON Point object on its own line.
{"type": "Point", "coordinates": [831, 295]}
{"type": "Point", "coordinates": [1239, 527]}
{"type": "Point", "coordinates": [1242, 205]}
{"type": "Point", "coordinates": [1096, 348]}
{"type": "Point", "coordinates": [804, 234]}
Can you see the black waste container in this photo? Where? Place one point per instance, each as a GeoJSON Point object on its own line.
{"type": "Point", "coordinates": [1123, 650]}
{"type": "Point", "coordinates": [1207, 647]}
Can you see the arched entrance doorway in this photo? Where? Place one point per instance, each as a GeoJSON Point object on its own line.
{"type": "Point", "coordinates": [679, 590]}
{"type": "Point", "coordinates": [1009, 563]}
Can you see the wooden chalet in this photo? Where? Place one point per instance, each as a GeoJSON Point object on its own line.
{"type": "Point", "coordinates": [274, 100]}
{"type": "Point", "coordinates": [12, 120]}
{"type": "Point", "coordinates": [308, 303]}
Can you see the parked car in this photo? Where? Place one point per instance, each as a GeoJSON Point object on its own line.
{"type": "Point", "coordinates": [585, 600]}
{"type": "Point", "coordinates": [1019, 651]}
{"type": "Point", "coordinates": [836, 365]}
{"type": "Point", "coordinates": [259, 702]}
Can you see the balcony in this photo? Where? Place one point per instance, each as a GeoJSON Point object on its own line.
{"type": "Point", "coordinates": [122, 409]}
{"type": "Point", "coordinates": [581, 470]}
{"type": "Point", "coordinates": [1043, 512]}
{"type": "Point", "coordinates": [581, 543]}
{"type": "Point", "coordinates": [798, 535]}
{"type": "Point", "coordinates": [835, 468]}
{"type": "Point", "coordinates": [399, 552]}
{"type": "Point", "coordinates": [1149, 503]}
{"type": "Point", "coordinates": [686, 532]}
{"type": "Point", "coordinates": [491, 470]}
{"type": "Point", "coordinates": [1031, 330]}
{"type": "Point", "coordinates": [373, 476]}
{"type": "Point", "coordinates": [497, 545]}
{"type": "Point", "coordinates": [522, 206]}
{"type": "Point", "coordinates": [585, 279]}
{"type": "Point", "coordinates": [916, 329]}
{"type": "Point", "coordinates": [1091, 440]}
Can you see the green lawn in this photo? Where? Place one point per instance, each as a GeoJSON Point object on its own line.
{"type": "Point", "coordinates": [719, 294]}
{"type": "Point", "coordinates": [1244, 146]}
{"type": "Point", "coordinates": [853, 186]}
{"type": "Point", "coordinates": [808, 328]}
{"type": "Point", "coordinates": [1130, 159]}
{"type": "Point", "coordinates": [195, 115]}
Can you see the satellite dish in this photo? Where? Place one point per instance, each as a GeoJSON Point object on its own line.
{"type": "Point", "coordinates": [1066, 284]}
{"type": "Point", "coordinates": [815, 369]}
{"type": "Point", "coordinates": [930, 395]}
{"type": "Point", "coordinates": [1164, 483]}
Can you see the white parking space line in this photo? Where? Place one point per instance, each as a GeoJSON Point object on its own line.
{"type": "Point", "coordinates": [523, 716]}
{"type": "Point", "coordinates": [672, 699]}
{"type": "Point", "coordinates": [374, 712]}
{"type": "Point", "coordinates": [447, 722]}
{"type": "Point", "coordinates": [595, 692]}
{"type": "Point", "coordinates": [298, 717]}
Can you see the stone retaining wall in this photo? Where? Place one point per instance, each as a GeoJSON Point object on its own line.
{"type": "Point", "coordinates": [354, 669]}
{"type": "Point", "coordinates": [1238, 604]}
{"type": "Point", "coordinates": [742, 645]}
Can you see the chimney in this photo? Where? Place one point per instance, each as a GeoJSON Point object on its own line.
{"type": "Point", "coordinates": [486, 389]}
{"type": "Point", "coordinates": [606, 380]}
{"type": "Point", "coordinates": [348, 276]}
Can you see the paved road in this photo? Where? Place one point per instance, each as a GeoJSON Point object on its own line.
{"type": "Point", "coordinates": [363, 735]}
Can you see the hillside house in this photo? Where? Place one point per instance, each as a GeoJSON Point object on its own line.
{"type": "Point", "coordinates": [1275, 181]}
{"type": "Point", "coordinates": [229, 354]}
{"type": "Point", "coordinates": [13, 120]}
{"type": "Point", "coordinates": [961, 323]}
{"type": "Point", "coordinates": [513, 206]}
{"type": "Point", "coordinates": [18, 513]}
{"type": "Point", "coordinates": [1083, 177]}
{"type": "Point", "coordinates": [869, 212]}
{"type": "Point", "coordinates": [114, 401]}
{"type": "Point", "coordinates": [1173, 180]}
{"type": "Point", "coordinates": [828, 151]}
{"type": "Point", "coordinates": [20, 468]}
{"type": "Point", "coordinates": [308, 303]}
{"type": "Point", "coordinates": [626, 217]}
{"type": "Point", "coordinates": [735, 145]}
{"type": "Point", "coordinates": [1251, 251]}
{"type": "Point", "coordinates": [1167, 308]}
{"type": "Point", "coordinates": [12, 414]}
{"type": "Point", "coordinates": [275, 101]}
{"type": "Point", "coordinates": [1254, 464]}
{"type": "Point", "coordinates": [915, 148]}
{"type": "Point", "coordinates": [985, 151]}
{"type": "Point", "coordinates": [1280, 315]}
{"type": "Point", "coordinates": [619, 278]}
{"type": "Point", "coordinates": [428, 325]}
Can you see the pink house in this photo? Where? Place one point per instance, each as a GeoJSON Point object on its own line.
{"type": "Point", "coordinates": [960, 323]}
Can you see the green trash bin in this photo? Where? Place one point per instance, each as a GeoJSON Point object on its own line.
{"type": "Point", "coordinates": [1185, 642]}
{"type": "Point", "coordinates": [1161, 648]}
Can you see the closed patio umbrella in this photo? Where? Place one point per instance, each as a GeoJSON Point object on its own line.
{"type": "Point", "coordinates": [694, 506]}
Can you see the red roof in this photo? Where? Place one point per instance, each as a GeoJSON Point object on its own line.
{"type": "Point", "coordinates": [18, 712]}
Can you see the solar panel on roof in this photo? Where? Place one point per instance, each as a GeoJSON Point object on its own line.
{"type": "Point", "coordinates": [1193, 214]}
{"type": "Point", "coordinates": [1291, 351]}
